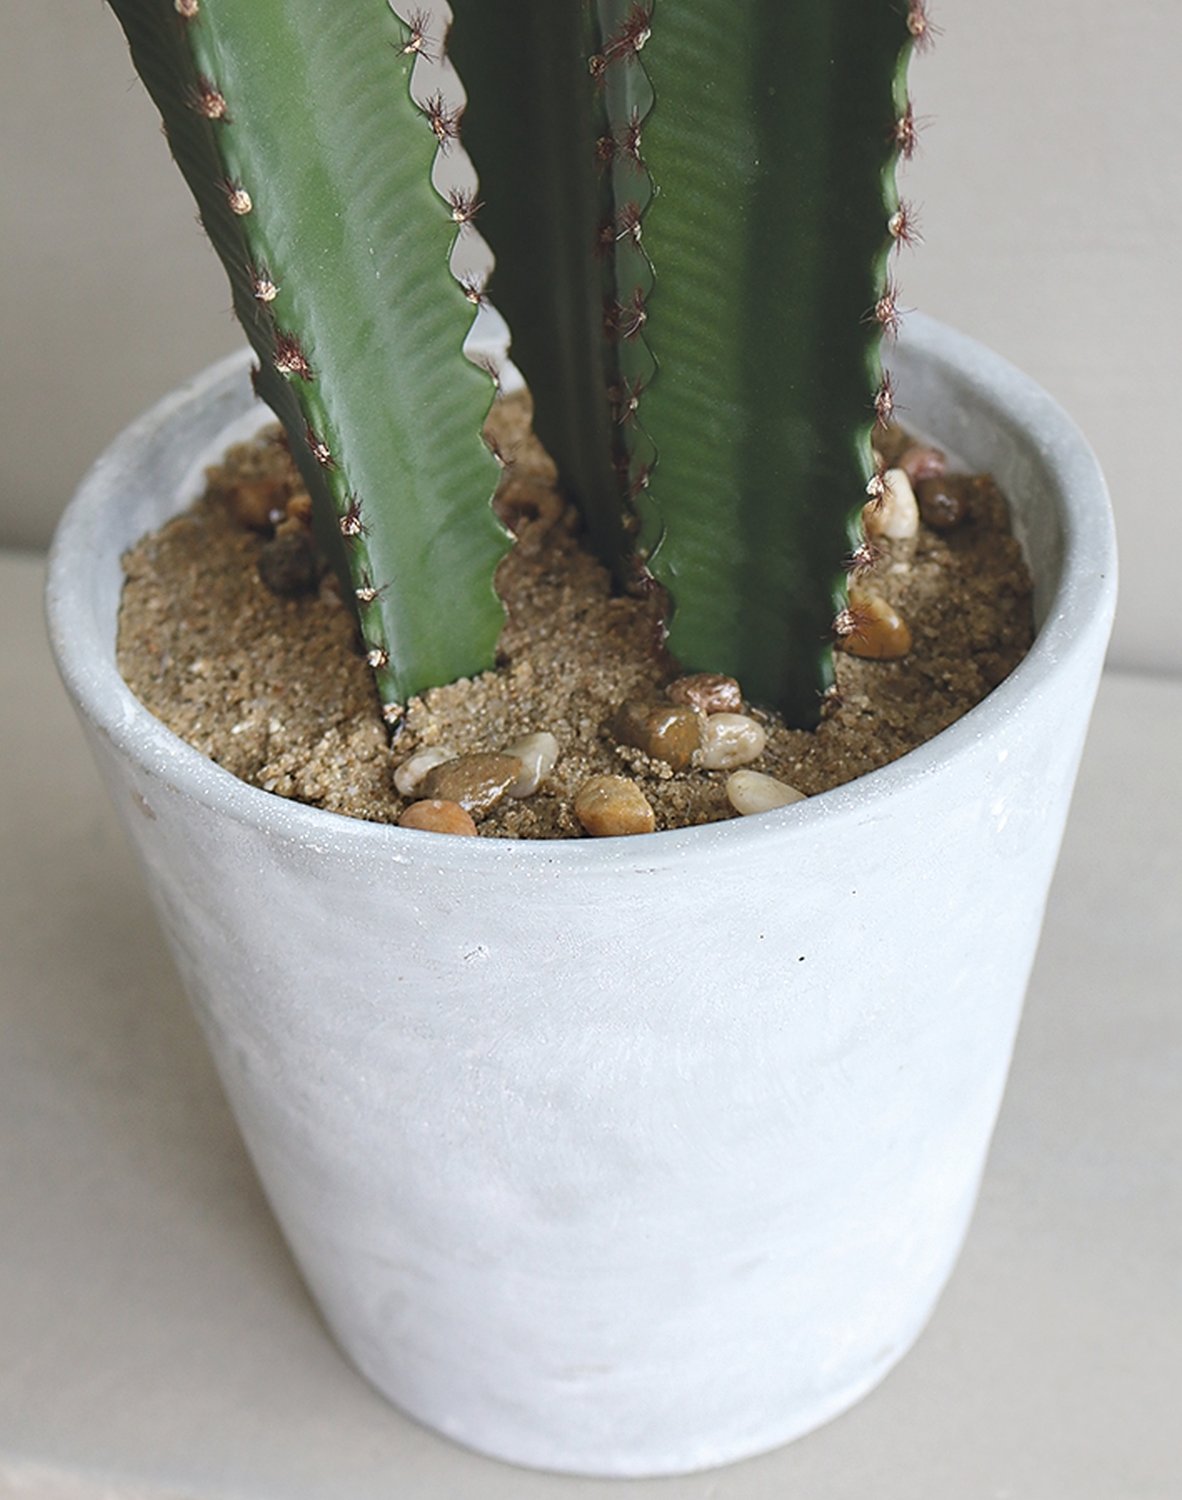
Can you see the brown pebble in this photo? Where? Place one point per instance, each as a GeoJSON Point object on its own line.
{"type": "Point", "coordinates": [408, 773]}
{"type": "Point", "coordinates": [298, 507]}
{"type": "Point", "coordinates": [708, 692]}
{"type": "Point", "coordinates": [255, 502]}
{"type": "Point", "coordinates": [870, 628]}
{"type": "Point", "coordinates": [288, 564]}
{"type": "Point", "coordinates": [943, 502]}
{"type": "Point", "coordinates": [671, 734]}
{"type": "Point", "coordinates": [477, 782]}
{"type": "Point", "coordinates": [437, 815]}
{"type": "Point", "coordinates": [610, 806]}
{"type": "Point", "coordinates": [921, 462]}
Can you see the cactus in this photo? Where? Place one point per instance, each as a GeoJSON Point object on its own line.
{"type": "Point", "coordinates": [692, 203]}
{"type": "Point", "coordinates": [733, 232]}
{"type": "Point", "coordinates": [294, 126]}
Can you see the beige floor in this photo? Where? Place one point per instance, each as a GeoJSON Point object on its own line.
{"type": "Point", "coordinates": [155, 1340]}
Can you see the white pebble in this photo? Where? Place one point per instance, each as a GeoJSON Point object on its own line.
{"type": "Point", "coordinates": [412, 770]}
{"type": "Point", "coordinates": [730, 740]}
{"type": "Point", "coordinates": [753, 792]}
{"type": "Point", "coordinates": [896, 515]}
{"type": "Point", "coordinates": [538, 754]}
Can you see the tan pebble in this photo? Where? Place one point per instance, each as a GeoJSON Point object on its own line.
{"type": "Point", "coordinates": [943, 501]}
{"type": "Point", "coordinates": [873, 630]}
{"type": "Point", "coordinates": [538, 754]}
{"type": "Point", "coordinates": [708, 692]}
{"type": "Point", "coordinates": [412, 770]}
{"type": "Point", "coordinates": [476, 782]}
{"type": "Point", "coordinates": [671, 734]}
{"type": "Point", "coordinates": [752, 792]}
{"type": "Point", "coordinates": [730, 740]}
{"type": "Point", "coordinates": [298, 506]}
{"type": "Point", "coordinates": [254, 503]}
{"type": "Point", "coordinates": [920, 461]}
{"type": "Point", "coordinates": [896, 515]}
{"type": "Point", "coordinates": [609, 806]}
{"type": "Point", "coordinates": [437, 815]}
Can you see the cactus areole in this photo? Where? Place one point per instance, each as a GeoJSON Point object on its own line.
{"type": "Point", "coordinates": [692, 205]}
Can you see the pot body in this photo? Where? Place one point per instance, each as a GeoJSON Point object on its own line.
{"type": "Point", "coordinates": [631, 1156]}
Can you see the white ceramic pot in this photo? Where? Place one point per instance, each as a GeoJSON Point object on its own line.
{"type": "Point", "coordinates": [628, 1156]}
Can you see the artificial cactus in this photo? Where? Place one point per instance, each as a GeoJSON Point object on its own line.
{"type": "Point", "coordinates": [294, 125]}
{"type": "Point", "coordinates": [737, 166]}
{"type": "Point", "coordinates": [691, 202]}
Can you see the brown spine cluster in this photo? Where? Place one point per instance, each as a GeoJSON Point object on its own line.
{"type": "Point", "coordinates": [921, 26]}
{"type": "Point", "coordinates": [290, 358]}
{"type": "Point", "coordinates": [417, 43]}
{"type": "Point", "coordinates": [444, 121]}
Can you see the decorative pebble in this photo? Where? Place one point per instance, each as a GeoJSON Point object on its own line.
{"type": "Point", "coordinates": [943, 502]}
{"type": "Point", "coordinates": [476, 782]}
{"type": "Point", "coordinates": [708, 692]}
{"type": "Point", "coordinates": [298, 507]}
{"type": "Point", "coordinates": [412, 770]}
{"type": "Point", "coordinates": [920, 461]}
{"type": "Point", "coordinates": [730, 740]}
{"type": "Point", "coordinates": [671, 734]}
{"type": "Point", "coordinates": [752, 792]}
{"type": "Point", "coordinates": [437, 815]}
{"type": "Point", "coordinates": [874, 630]}
{"type": "Point", "coordinates": [287, 564]}
{"type": "Point", "coordinates": [538, 754]}
{"type": "Point", "coordinates": [896, 515]}
{"type": "Point", "coordinates": [608, 806]}
{"type": "Point", "coordinates": [255, 503]}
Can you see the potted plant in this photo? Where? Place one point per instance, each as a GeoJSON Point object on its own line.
{"type": "Point", "coordinates": [633, 1155]}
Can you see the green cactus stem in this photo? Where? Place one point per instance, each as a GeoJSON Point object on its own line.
{"type": "Point", "coordinates": [532, 123]}
{"type": "Point", "coordinates": [737, 161]}
{"type": "Point", "coordinates": [294, 124]}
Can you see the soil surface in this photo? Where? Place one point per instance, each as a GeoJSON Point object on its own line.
{"type": "Point", "coordinates": [275, 689]}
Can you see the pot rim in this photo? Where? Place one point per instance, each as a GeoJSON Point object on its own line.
{"type": "Point", "coordinates": [1083, 602]}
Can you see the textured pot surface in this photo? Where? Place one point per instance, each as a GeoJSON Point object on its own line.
{"type": "Point", "coordinates": [628, 1156]}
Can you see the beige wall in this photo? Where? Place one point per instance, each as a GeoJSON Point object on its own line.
{"type": "Point", "coordinates": [1050, 184]}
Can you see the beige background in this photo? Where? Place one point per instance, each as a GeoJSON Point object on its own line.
{"type": "Point", "coordinates": [1049, 182]}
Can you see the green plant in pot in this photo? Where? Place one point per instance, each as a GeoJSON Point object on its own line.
{"type": "Point", "coordinates": [691, 240]}
{"type": "Point", "coordinates": [600, 1155]}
